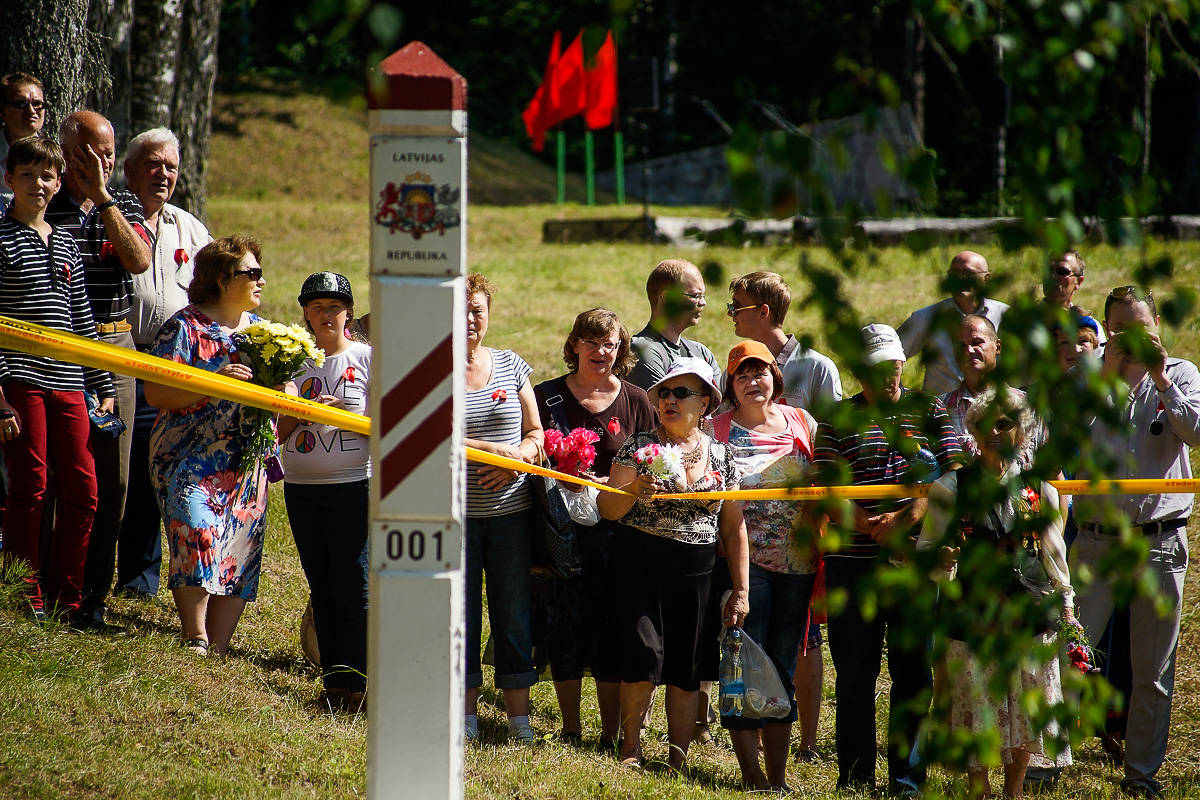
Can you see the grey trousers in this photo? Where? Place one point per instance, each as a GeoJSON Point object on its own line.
{"type": "Point", "coordinates": [112, 480]}
{"type": "Point", "coordinates": [1153, 641]}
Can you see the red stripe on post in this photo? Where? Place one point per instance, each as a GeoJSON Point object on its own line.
{"type": "Point", "coordinates": [412, 451]}
{"type": "Point", "coordinates": [416, 78]}
{"type": "Point", "coordinates": [414, 387]}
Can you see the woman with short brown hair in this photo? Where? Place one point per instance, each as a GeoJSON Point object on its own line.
{"type": "Point", "coordinates": [573, 615]}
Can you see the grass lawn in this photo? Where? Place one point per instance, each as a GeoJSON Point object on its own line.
{"type": "Point", "coordinates": [138, 717]}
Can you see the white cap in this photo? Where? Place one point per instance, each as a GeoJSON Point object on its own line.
{"type": "Point", "coordinates": [882, 343]}
{"type": "Point", "coordinates": [690, 365]}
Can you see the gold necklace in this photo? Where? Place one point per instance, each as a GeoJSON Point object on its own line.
{"type": "Point", "coordinates": [692, 457]}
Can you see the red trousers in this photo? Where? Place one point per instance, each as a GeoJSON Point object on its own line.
{"type": "Point", "coordinates": [54, 430]}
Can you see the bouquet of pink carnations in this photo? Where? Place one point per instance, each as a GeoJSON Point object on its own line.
{"type": "Point", "coordinates": [573, 453]}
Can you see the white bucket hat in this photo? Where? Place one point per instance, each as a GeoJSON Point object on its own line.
{"type": "Point", "coordinates": [690, 365]}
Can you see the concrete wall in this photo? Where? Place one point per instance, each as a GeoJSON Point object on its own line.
{"type": "Point", "coordinates": [701, 177]}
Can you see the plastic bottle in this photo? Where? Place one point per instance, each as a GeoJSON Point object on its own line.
{"type": "Point", "coordinates": [733, 690]}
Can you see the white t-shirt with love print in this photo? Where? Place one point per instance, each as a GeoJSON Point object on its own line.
{"type": "Point", "coordinates": [315, 453]}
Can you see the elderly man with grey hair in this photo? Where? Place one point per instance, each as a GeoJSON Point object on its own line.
{"type": "Point", "coordinates": [151, 170]}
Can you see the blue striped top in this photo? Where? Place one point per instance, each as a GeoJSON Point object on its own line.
{"type": "Point", "coordinates": [493, 414]}
{"type": "Point", "coordinates": [43, 282]}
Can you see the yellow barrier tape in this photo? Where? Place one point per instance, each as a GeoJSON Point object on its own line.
{"type": "Point", "coordinates": [31, 338]}
{"type": "Point", "coordinates": [39, 340]}
{"type": "Point", "coordinates": [869, 492]}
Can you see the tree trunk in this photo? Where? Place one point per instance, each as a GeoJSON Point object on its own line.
{"type": "Point", "coordinates": [192, 110]}
{"type": "Point", "coordinates": [1147, 95]}
{"type": "Point", "coordinates": [112, 21]}
{"type": "Point", "coordinates": [174, 68]}
{"type": "Point", "coordinates": [50, 40]}
{"type": "Point", "coordinates": [156, 29]}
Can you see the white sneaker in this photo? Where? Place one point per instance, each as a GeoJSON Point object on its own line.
{"type": "Point", "coordinates": [524, 734]}
{"type": "Point", "coordinates": [471, 730]}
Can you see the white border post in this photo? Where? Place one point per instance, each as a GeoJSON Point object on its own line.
{"type": "Point", "coordinates": [418, 127]}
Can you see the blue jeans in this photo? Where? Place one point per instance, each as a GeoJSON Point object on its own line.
{"type": "Point", "coordinates": [500, 546]}
{"type": "Point", "coordinates": [330, 523]}
{"type": "Point", "coordinates": [856, 645]}
{"type": "Point", "coordinates": [778, 617]}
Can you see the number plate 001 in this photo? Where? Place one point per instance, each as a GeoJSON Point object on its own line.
{"type": "Point", "coordinates": [415, 546]}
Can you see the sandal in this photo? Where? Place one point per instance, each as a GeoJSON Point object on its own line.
{"type": "Point", "coordinates": [806, 756]}
{"type": "Point", "coordinates": [197, 646]}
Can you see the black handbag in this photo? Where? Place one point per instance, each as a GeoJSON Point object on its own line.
{"type": "Point", "coordinates": [555, 548]}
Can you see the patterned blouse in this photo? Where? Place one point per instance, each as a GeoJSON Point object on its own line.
{"type": "Point", "coordinates": [686, 521]}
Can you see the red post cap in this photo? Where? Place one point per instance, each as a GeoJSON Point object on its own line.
{"type": "Point", "coordinates": [414, 77]}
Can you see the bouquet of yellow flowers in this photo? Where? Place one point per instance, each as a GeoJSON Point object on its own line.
{"type": "Point", "coordinates": [276, 352]}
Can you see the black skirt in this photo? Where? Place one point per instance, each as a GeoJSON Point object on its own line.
{"type": "Point", "coordinates": [667, 628]}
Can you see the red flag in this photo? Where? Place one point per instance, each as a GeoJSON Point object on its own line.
{"type": "Point", "coordinates": [537, 110]}
{"type": "Point", "coordinates": [568, 88]}
{"type": "Point", "coordinates": [602, 86]}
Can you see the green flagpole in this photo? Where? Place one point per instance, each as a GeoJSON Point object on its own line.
{"type": "Point", "coordinates": [561, 138]}
{"type": "Point", "coordinates": [619, 147]}
{"type": "Point", "coordinates": [589, 148]}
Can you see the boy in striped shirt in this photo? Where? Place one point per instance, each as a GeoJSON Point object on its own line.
{"type": "Point", "coordinates": [43, 417]}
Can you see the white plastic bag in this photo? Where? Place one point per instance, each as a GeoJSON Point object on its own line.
{"type": "Point", "coordinates": [582, 505]}
{"type": "Point", "coordinates": [764, 694]}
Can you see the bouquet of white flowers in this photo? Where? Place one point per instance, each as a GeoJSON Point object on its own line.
{"type": "Point", "coordinates": [276, 352]}
{"type": "Point", "coordinates": [663, 461]}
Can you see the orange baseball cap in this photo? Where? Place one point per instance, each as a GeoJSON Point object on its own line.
{"type": "Point", "coordinates": [748, 349]}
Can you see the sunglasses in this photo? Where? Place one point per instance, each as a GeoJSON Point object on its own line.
{"type": "Point", "coordinates": [19, 105]}
{"type": "Point", "coordinates": [254, 273]}
{"type": "Point", "coordinates": [732, 310]}
{"type": "Point", "coordinates": [1121, 292]}
{"type": "Point", "coordinates": [1003, 425]}
{"type": "Point", "coordinates": [1064, 272]}
{"type": "Point", "coordinates": [679, 393]}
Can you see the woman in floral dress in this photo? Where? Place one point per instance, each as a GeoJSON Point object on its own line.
{"type": "Point", "coordinates": [979, 549]}
{"type": "Point", "coordinates": [213, 504]}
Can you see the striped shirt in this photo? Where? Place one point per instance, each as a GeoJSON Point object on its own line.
{"type": "Point", "coordinates": [493, 414]}
{"type": "Point", "coordinates": [44, 285]}
{"type": "Point", "coordinates": [109, 285]}
{"type": "Point", "coordinates": [878, 450]}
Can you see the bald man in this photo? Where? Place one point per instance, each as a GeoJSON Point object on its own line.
{"type": "Point", "coordinates": [109, 228]}
{"type": "Point", "coordinates": [930, 331]}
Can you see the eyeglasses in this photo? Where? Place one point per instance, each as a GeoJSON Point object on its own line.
{"type": "Point", "coordinates": [679, 393]}
{"type": "Point", "coordinates": [20, 105]}
{"type": "Point", "coordinates": [1121, 292]}
{"type": "Point", "coordinates": [603, 347]}
{"type": "Point", "coordinates": [732, 310]}
{"type": "Point", "coordinates": [254, 273]}
{"type": "Point", "coordinates": [696, 297]}
{"type": "Point", "coordinates": [1003, 425]}
{"type": "Point", "coordinates": [1064, 272]}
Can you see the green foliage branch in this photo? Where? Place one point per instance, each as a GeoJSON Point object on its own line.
{"type": "Point", "coordinates": [1057, 56]}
